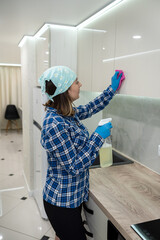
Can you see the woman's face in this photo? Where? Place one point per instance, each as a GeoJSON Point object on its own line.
{"type": "Point", "coordinates": [74, 90]}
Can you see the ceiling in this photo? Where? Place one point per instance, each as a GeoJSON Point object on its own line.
{"type": "Point", "coordinates": [21, 17]}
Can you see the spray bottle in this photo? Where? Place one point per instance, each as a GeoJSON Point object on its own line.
{"type": "Point", "coordinates": [105, 152]}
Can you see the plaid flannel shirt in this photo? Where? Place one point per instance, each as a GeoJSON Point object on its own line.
{"type": "Point", "coordinates": [70, 152]}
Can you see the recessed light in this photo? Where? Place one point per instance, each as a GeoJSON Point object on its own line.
{"type": "Point", "coordinates": [136, 37]}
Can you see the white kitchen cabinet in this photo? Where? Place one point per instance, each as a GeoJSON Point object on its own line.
{"type": "Point", "coordinates": [63, 47]}
{"type": "Point", "coordinates": [96, 42]}
{"type": "Point", "coordinates": [40, 156]}
{"type": "Point", "coordinates": [104, 37]}
{"type": "Point", "coordinates": [101, 72]}
{"type": "Point", "coordinates": [56, 46]}
{"type": "Point", "coordinates": [42, 53]}
{"type": "Point", "coordinates": [138, 57]}
{"type": "Point", "coordinates": [97, 222]}
{"type": "Point", "coordinates": [84, 62]}
{"type": "Point", "coordinates": [119, 48]}
{"type": "Point", "coordinates": [40, 170]}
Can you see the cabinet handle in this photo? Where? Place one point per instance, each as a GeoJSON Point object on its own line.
{"type": "Point", "coordinates": [86, 232]}
{"type": "Point", "coordinates": [87, 209]}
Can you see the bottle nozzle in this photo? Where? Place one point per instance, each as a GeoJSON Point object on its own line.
{"type": "Point", "coordinates": [104, 121]}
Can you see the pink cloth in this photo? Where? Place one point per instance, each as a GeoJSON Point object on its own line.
{"type": "Point", "coordinates": [122, 78]}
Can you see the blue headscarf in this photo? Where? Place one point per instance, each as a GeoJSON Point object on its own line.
{"type": "Point", "coordinates": [61, 76]}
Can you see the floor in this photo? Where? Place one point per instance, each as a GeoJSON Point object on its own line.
{"type": "Point", "coordinates": [19, 215]}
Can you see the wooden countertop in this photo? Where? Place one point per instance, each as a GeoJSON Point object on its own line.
{"type": "Point", "coordinates": [127, 194]}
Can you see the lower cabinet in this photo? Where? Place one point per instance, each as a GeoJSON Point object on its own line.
{"type": "Point", "coordinates": [100, 227]}
{"type": "Point", "coordinates": [96, 220]}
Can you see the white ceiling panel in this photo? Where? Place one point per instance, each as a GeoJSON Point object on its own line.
{"type": "Point", "coordinates": [21, 17]}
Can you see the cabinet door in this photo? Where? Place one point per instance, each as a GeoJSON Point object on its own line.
{"type": "Point", "coordinates": [42, 54]}
{"type": "Point", "coordinates": [63, 46]}
{"type": "Point", "coordinates": [85, 59]}
{"type": "Point", "coordinates": [139, 57]}
{"type": "Point", "coordinates": [97, 222]}
{"type": "Point", "coordinates": [40, 166]}
{"type": "Point", "coordinates": [131, 43]}
{"type": "Point", "coordinates": [104, 37]}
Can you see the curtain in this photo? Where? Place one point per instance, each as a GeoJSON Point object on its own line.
{"type": "Point", "coordinates": [10, 92]}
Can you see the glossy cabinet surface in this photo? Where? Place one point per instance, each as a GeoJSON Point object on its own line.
{"type": "Point", "coordinates": [128, 38]}
{"type": "Point", "coordinates": [56, 46]}
{"type": "Point", "coordinates": [97, 222]}
{"type": "Point", "coordinates": [39, 154]}
{"type": "Point", "coordinates": [42, 53]}
{"type": "Point", "coordinates": [84, 54]}
{"type": "Point", "coordinates": [63, 47]}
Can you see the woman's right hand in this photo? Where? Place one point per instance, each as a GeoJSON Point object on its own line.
{"type": "Point", "coordinates": [115, 81]}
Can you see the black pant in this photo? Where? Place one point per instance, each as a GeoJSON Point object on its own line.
{"type": "Point", "coordinates": [66, 222]}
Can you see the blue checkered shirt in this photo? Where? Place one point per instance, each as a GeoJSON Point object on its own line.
{"type": "Point", "coordinates": [70, 153]}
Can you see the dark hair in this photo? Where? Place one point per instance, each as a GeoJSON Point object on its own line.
{"type": "Point", "coordinates": [61, 102]}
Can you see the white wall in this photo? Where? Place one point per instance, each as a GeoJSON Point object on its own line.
{"type": "Point", "coordinates": [10, 53]}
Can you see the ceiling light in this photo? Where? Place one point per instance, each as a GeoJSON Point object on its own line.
{"type": "Point", "coordinates": [62, 26]}
{"type": "Point", "coordinates": [99, 14]}
{"type": "Point", "coordinates": [81, 25]}
{"type": "Point", "coordinates": [94, 30]}
{"type": "Point", "coordinates": [10, 65]}
{"type": "Point", "coordinates": [41, 30]}
{"type": "Point", "coordinates": [24, 39]}
{"type": "Point", "coordinates": [137, 37]}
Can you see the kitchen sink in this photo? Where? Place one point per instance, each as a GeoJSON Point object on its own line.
{"type": "Point", "coordinates": [118, 159]}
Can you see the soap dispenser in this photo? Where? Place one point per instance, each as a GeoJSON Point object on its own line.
{"type": "Point", "coordinates": [105, 152]}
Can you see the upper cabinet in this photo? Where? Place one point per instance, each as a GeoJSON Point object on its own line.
{"type": "Point", "coordinates": [42, 53]}
{"type": "Point", "coordinates": [138, 46]}
{"type": "Point", "coordinates": [103, 47]}
{"type": "Point", "coordinates": [56, 46]}
{"type": "Point", "coordinates": [84, 58]}
{"type": "Point", "coordinates": [95, 43]}
{"type": "Point", "coordinates": [63, 47]}
{"type": "Point", "coordinates": [128, 38]}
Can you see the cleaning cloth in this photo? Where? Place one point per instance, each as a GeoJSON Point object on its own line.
{"type": "Point", "coordinates": [122, 78]}
{"type": "Point", "coordinates": [61, 76]}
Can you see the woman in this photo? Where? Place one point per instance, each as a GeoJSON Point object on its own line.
{"type": "Point", "coordinates": [70, 150]}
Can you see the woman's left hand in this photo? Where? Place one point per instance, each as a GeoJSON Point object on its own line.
{"type": "Point", "coordinates": [115, 81]}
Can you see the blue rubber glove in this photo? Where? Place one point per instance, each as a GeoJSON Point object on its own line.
{"type": "Point", "coordinates": [115, 81]}
{"type": "Point", "coordinates": [104, 130]}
